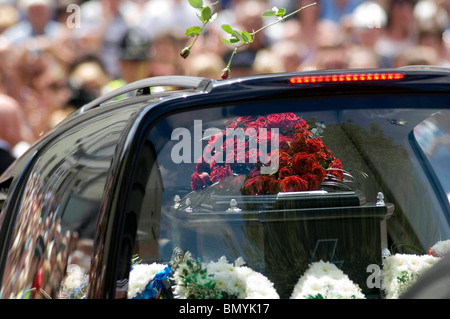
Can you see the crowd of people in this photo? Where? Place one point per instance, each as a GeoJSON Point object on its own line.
{"type": "Point", "coordinates": [56, 55]}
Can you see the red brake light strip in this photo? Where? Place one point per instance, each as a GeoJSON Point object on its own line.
{"type": "Point", "coordinates": [349, 77]}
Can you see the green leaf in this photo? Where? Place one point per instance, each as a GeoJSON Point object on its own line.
{"type": "Point", "coordinates": [247, 37]}
{"type": "Point", "coordinates": [281, 12]}
{"type": "Point", "coordinates": [227, 28]}
{"type": "Point", "coordinates": [227, 42]}
{"type": "Point", "coordinates": [193, 31]}
{"type": "Point", "coordinates": [206, 14]}
{"type": "Point", "coordinates": [197, 4]}
{"type": "Point", "coordinates": [242, 36]}
{"type": "Point", "coordinates": [233, 39]}
{"type": "Point", "coordinates": [238, 35]}
{"type": "Point", "coordinates": [269, 13]}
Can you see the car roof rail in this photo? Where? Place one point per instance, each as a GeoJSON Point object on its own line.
{"type": "Point", "coordinates": [181, 81]}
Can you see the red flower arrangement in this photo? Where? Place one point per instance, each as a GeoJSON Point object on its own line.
{"type": "Point", "coordinates": [304, 161]}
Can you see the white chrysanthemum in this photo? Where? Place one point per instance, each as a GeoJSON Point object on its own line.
{"type": "Point", "coordinates": [74, 278]}
{"type": "Point", "coordinates": [140, 277]}
{"type": "Point", "coordinates": [441, 248]}
{"type": "Point", "coordinates": [235, 280]}
{"type": "Point", "coordinates": [226, 276]}
{"type": "Point", "coordinates": [257, 286]}
{"type": "Point", "coordinates": [327, 280]}
{"type": "Point", "coordinates": [406, 266]}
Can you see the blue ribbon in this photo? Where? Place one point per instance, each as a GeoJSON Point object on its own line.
{"type": "Point", "coordinates": [155, 285]}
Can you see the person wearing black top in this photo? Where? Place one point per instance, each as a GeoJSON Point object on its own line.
{"type": "Point", "coordinates": [6, 157]}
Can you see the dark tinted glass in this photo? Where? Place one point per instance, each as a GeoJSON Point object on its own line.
{"type": "Point", "coordinates": [50, 250]}
{"type": "Point", "coordinates": [346, 186]}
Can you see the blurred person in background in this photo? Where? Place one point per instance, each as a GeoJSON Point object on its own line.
{"type": "Point", "coordinates": [248, 17]}
{"type": "Point", "coordinates": [336, 10]}
{"type": "Point", "coordinates": [331, 48]}
{"type": "Point", "coordinates": [309, 29]}
{"type": "Point", "coordinates": [400, 32]}
{"type": "Point", "coordinates": [9, 16]}
{"type": "Point", "coordinates": [208, 64]}
{"type": "Point", "coordinates": [134, 59]}
{"type": "Point", "coordinates": [416, 55]}
{"type": "Point", "coordinates": [37, 22]}
{"type": "Point", "coordinates": [163, 16]}
{"type": "Point", "coordinates": [103, 26]}
{"type": "Point", "coordinates": [367, 23]}
{"type": "Point", "coordinates": [164, 54]}
{"type": "Point", "coordinates": [432, 19]}
{"type": "Point", "coordinates": [290, 54]}
{"type": "Point", "coordinates": [87, 76]}
{"type": "Point", "coordinates": [15, 137]}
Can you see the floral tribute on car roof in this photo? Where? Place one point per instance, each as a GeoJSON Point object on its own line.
{"type": "Point", "coordinates": [301, 159]}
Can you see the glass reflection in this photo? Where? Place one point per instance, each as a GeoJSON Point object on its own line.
{"type": "Point", "coordinates": [57, 221]}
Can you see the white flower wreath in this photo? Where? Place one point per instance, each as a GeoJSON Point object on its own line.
{"type": "Point", "coordinates": [325, 280]}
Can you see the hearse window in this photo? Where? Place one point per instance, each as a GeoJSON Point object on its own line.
{"type": "Point", "coordinates": [433, 137]}
{"type": "Point", "coordinates": [303, 185]}
{"type": "Point", "coordinates": [57, 221]}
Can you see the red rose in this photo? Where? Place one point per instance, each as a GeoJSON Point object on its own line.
{"type": "Point", "coordinates": [261, 122]}
{"type": "Point", "coordinates": [314, 145]}
{"type": "Point", "coordinates": [313, 181]}
{"type": "Point", "coordinates": [298, 144]}
{"type": "Point", "coordinates": [254, 186]}
{"type": "Point", "coordinates": [283, 159]}
{"type": "Point", "coordinates": [285, 172]}
{"type": "Point", "coordinates": [318, 171]}
{"type": "Point", "coordinates": [293, 184]}
{"type": "Point", "coordinates": [290, 117]}
{"type": "Point", "coordinates": [321, 157]}
{"type": "Point", "coordinates": [274, 120]}
{"type": "Point", "coordinates": [274, 186]}
{"type": "Point", "coordinates": [202, 166]}
{"type": "Point", "coordinates": [302, 127]}
{"type": "Point", "coordinates": [200, 181]}
{"type": "Point", "coordinates": [254, 172]}
{"type": "Point", "coordinates": [302, 163]}
{"type": "Point", "coordinates": [285, 145]}
{"type": "Point", "coordinates": [335, 169]}
{"type": "Point", "coordinates": [218, 173]}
